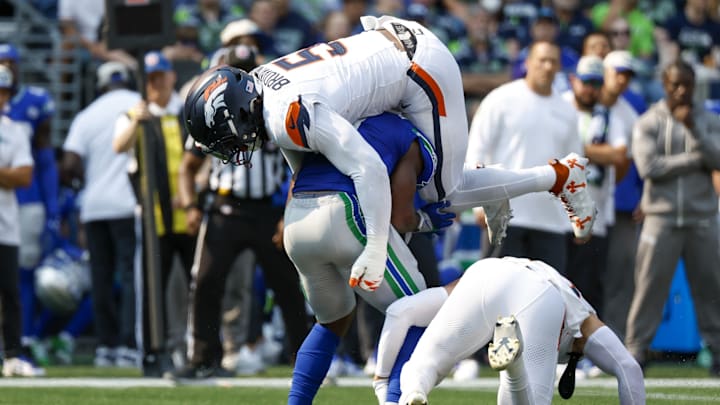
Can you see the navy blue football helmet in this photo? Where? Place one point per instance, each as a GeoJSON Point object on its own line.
{"type": "Point", "coordinates": [223, 113]}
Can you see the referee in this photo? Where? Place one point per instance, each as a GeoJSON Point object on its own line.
{"type": "Point", "coordinates": [239, 213]}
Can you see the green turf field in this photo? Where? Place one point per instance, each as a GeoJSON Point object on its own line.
{"type": "Point", "coordinates": [666, 384]}
{"type": "Point", "coordinates": [327, 395]}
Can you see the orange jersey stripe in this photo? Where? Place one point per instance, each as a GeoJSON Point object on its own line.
{"type": "Point", "coordinates": [425, 76]}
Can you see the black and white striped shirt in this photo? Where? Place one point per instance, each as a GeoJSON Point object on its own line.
{"type": "Point", "coordinates": [260, 181]}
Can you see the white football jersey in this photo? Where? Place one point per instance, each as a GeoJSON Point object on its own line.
{"type": "Point", "coordinates": [359, 76]}
{"type": "Point", "coordinates": [577, 309]}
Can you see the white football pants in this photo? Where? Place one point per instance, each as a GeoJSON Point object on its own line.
{"type": "Point", "coordinates": [465, 323]}
{"type": "Point", "coordinates": [323, 237]}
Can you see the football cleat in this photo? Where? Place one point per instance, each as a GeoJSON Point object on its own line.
{"type": "Point", "coordinates": [497, 216]}
{"type": "Point", "coordinates": [507, 343]}
{"type": "Point", "coordinates": [21, 367]}
{"type": "Point", "coordinates": [571, 188]}
{"type": "Point", "coordinates": [416, 398]}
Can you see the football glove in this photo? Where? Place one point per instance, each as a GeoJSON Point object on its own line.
{"type": "Point", "coordinates": [433, 217]}
{"type": "Point", "coordinates": [369, 268]}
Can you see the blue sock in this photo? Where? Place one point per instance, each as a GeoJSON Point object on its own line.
{"type": "Point", "coordinates": [81, 319]}
{"type": "Point", "coordinates": [312, 364]}
{"type": "Point", "coordinates": [27, 301]}
{"type": "Point", "coordinates": [42, 322]}
{"type": "Point", "coordinates": [411, 340]}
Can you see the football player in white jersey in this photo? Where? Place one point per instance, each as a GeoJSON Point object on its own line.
{"type": "Point", "coordinates": [536, 319]}
{"type": "Point", "coordinates": [308, 100]}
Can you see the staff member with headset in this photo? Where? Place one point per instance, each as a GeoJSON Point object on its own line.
{"type": "Point", "coordinates": [241, 214]}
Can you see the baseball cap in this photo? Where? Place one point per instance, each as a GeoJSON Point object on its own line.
{"type": "Point", "coordinates": [6, 78]}
{"type": "Point", "coordinates": [155, 61]}
{"type": "Point", "coordinates": [110, 73]}
{"type": "Point", "coordinates": [243, 57]}
{"type": "Point", "coordinates": [9, 52]}
{"type": "Point", "coordinates": [621, 61]}
{"type": "Point", "coordinates": [546, 14]}
{"type": "Point", "coordinates": [238, 28]}
{"type": "Point", "coordinates": [589, 68]}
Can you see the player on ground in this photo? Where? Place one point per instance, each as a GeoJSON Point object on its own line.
{"type": "Point", "coordinates": [536, 319]}
{"type": "Point", "coordinates": [308, 100]}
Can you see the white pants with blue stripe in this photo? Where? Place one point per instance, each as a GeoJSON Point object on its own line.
{"type": "Point", "coordinates": [324, 235]}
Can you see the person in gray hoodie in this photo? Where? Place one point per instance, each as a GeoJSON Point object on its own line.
{"type": "Point", "coordinates": [676, 147]}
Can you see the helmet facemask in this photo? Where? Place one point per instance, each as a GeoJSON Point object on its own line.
{"type": "Point", "coordinates": [224, 115]}
{"type": "Point", "coordinates": [233, 147]}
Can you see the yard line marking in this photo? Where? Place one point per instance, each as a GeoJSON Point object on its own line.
{"type": "Point", "coordinates": [480, 383]}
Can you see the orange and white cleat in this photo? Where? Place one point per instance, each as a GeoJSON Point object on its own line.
{"type": "Point", "coordinates": [572, 189]}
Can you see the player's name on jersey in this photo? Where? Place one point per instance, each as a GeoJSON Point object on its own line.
{"type": "Point", "coordinates": [270, 79]}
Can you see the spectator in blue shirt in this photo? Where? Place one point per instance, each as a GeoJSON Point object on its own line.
{"type": "Point", "coordinates": [517, 17]}
{"type": "Point", "coordinates": [545, 29]}
{"type": "Point", "coordinates": [289, 30]}
{"type": "Point", "coordinates": [573, 25]}
{"type": "Point", "coordinates": [693, 35]}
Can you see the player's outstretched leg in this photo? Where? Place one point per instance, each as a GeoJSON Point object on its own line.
{"type": "Point", "coordinates": [507, 343]}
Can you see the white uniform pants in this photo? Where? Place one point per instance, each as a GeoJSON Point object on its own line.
{"type": "Point", "coordinates": [434, 101]}
{"type": "Point", "coordinates": [466, 322]}
{"type": "Point", "coordinates": [323, 237]}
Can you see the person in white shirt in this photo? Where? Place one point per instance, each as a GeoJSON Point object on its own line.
{"type": "Point", "coordinates": [16, 167]}
{"type": "Point", "coordinates": [536, 319]}
{"type": "Point", "coordinates": [153, 126]}
{"type": "Point", "coordinates": [107, 212]}
{"type": "Point", "coordinates": [605, 139]}
{"type": "Point", "coordinates": [523, 124]}
{"type": "Point", "coordinates": [616, 282]}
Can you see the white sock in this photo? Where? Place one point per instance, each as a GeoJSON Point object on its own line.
{"type": "Point", "coordinates": [518, 388]}
{"type": "Point", "coordinates": [380, 386]}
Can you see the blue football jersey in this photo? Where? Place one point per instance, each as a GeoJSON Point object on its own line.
{"type": "Point", "coordinates": [32, 105]}
{"type": "Point", "coordinates": [389, 134]}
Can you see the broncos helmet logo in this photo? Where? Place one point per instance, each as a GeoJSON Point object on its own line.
{"type": "Point", "coordinates": [214, 99]}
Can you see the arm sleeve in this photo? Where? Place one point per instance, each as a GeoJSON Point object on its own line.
{"type": "Point", "coordinates": [346, 149]}
{"type": "Point", "coordinates": [653, 165]}
{"type": "Point", "coordinates": [413, 310]}
{"type": "Point", "coordinates": [605, 350]}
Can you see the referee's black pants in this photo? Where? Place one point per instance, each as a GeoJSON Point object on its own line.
{"type": "Point", "coordinates": [250, 226]}
{"type": "Point", "coordinates": [10, 300]}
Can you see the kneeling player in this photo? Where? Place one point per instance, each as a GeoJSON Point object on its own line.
{"type": "Point", "coordinates": [529, 307]}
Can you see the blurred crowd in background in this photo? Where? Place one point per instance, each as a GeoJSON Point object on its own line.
{"type": "Point", "coordinates": [81, 247]}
